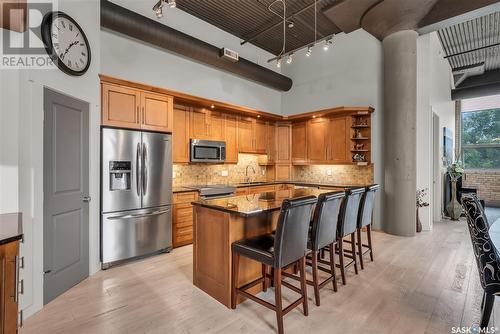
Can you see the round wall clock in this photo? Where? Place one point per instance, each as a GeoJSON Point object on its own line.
{"type": "Point", "coordinates": [66, 43]}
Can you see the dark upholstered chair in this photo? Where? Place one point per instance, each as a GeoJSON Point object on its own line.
{"type": "Point", "coordinates": [487, 257]}
{"type": "Point", "coordinates": [287, 246]}
{"type": "Point", "coordinates": [365, 221]}
{"type": "Point", "coordinates": [348, 224]}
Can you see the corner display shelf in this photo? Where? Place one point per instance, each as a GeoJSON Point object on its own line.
{"type": "Point", "coordinates": [361, 138]}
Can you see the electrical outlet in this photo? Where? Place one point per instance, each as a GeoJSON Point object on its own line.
{"type": "Point", "coordinates": [224, 173]}
{"type": "Point", "coordinates": [263, 172]}
{"type": "Point", "coordinates": [329, 172]}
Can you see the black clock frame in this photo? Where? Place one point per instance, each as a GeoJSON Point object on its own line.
{"type": "Point", "coordinates": [46, 30]}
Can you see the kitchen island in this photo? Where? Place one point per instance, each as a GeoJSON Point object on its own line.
{"type": "Point", "coordinates": [220, 222]}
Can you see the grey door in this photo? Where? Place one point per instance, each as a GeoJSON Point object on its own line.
{"type": "Point", "coordinates": [121, 188]}
{"type": "Point", "coordinates": [66, 190]}
{"type": "Point", "coordinates": [157, 169]}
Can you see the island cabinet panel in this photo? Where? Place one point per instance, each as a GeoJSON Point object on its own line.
{"type": "Point", "coordinates": [9, 280]}
{"type": "Point", "coordinates": [182, 222]}
{"type": "Point", "coordinates": [339, 140]}
{"type": "Point", "coordinates": [299, 142]}
{"type": "Point", "coordinates": [157, 112]}
{"type": "Point", "coordinates": [231, 133]}
{"type": "Point", "coordinates": [318, 140]}
{"type": "Point", "coordinates": [121, 106]}
{"type": "Point", "coordinates": [132, 108]}
{"type": "Point", "coordinates": [214, 232]}
{"type": "Point", "coordinates": [180, 134]}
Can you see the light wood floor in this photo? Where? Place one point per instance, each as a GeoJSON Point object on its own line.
{"type": "Point", "coordinates": [425, 284]}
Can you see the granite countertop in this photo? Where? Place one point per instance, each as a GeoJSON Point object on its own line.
{"type": "Point", "coordinates": [249, 205]}
{"type": "Point", "coordinates": [11, 227]}
{"type": "Point", "coordinates": [180, 189]}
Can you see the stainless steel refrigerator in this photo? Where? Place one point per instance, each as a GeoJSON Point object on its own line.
{"type": "Point", "coordinates": [136, 194]}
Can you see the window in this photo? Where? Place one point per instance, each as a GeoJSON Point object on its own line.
{"type": "Point", "coordinates": [480, 138]}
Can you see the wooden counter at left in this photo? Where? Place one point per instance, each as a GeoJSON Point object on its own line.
{"type": "Point", "coordinates": [10, 235]}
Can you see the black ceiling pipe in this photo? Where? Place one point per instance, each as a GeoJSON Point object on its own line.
{"type": "Point", "coordinates": [127, 22]}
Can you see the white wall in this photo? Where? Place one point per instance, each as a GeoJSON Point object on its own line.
{"type": "Point", "coordinates": [348, 74]}
{"type": "Point", "coordinates": [434, 84]}
{"type": "Point", "coordinates": [29, 111]}
{"type": "Point", "coordinates": [125, 58]}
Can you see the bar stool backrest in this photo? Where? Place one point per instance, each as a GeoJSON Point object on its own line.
{"type": "Point", "coordinates": [348, 218]}
{"type": "Point", "coordinates": [485, 252]}
{"type": "Point", "coordinates": [366, 206]}
{"type": "Point", "coordinates": [290, 243]}
{"type": "Point", "coordinates": [324, 224]}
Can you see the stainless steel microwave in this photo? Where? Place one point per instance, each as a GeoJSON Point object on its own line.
{"type": "Point", "coordinates": [207, 151]}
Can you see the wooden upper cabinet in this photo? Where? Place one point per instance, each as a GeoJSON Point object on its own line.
{"type": "Point", "coordinates": [199, 123]}
{"type": "Point", "coordinates": [157, 112]}
{"type": "Point", "coordinates": [121, 106]}
{"type": "Point", "coordinates": [271, 143]}
{"type": "Point", "coordinates": [231, 133]}
{"type": "Point", "coordinates": [180, 134]}
{"type": "Point", "coordinates": [260, 137]}
{"type": "Point", "coordinates": [245, 135]}
{"type": "Point", "coordinates": [216, 125]}
{"type": "Point", "coordinates": [283, 143]}
{"type": "Point", "coordinates": [131, 108]}
{"type": "Point", "coordinates": [299, 142]}
{"type": "Point", "coordinates": [318, 140]}
{"type": "Point", "coordinates": [339, 151]}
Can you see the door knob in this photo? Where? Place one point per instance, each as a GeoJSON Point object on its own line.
{"type": "Point", "coordinates": [86, 199]}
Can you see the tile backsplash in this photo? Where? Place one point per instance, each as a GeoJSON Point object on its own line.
{"type": "Point", "coordinates": [337, 174]}
{"type": "Point", "coordinates": [212, 174]}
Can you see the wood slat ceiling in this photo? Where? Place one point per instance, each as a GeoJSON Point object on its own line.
{"type": "Point", "coordinates": [480, 32]}
{"type": "Point", "coordinates": [246, 18]}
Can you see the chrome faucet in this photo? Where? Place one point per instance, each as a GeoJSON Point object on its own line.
{"type": "Point", "coordinates": [247, 179]}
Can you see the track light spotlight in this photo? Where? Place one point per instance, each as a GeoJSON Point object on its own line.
{"type": "Point", "coordinates": [309, 51]}
{"type": "Point", "coordinates": [159, 12]}
{"type": "Point", "coordinates": [278, 63]}
{"type": "Point", "coordinates": [328, 42]}
{"type": "Point", "coordinates": [289, 59]}
{"type": "Point", "coordinates": [172, 3]}
{"type": "Point", "coordinates": [291, 24]}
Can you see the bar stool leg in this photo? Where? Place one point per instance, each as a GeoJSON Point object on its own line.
{"type": "Point", "coordinates": [369, 234]}
{"type": "Point", "coordinates": [303, 285]}
{"type": "Point", "coordinates": [234, 280]}
{"type": "Point", "coordinates": [264, 275]}
{"type": "Point", "coordinates": [332, 267]}
{"type": "Point", "coordinates": [353, 250]}
{"type": "Point", "coordinates": [314, 256]}
{"type": "Point", "coordinates": [360, 249]}
{"type": "Point", "coordinates": [341, 260]}
{"type": "Point", "coordinates": [278, 302]}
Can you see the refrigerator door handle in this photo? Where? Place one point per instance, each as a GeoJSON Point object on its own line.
{"type": "Point", "coordinates": [144, 168]}
{"type": "Point", "coordinates": [154, 213]}
{"type": "Point", "coordinates": [138, 169]}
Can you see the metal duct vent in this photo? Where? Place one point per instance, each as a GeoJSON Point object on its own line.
{"type": "Point", "coordinates": [134, 25]}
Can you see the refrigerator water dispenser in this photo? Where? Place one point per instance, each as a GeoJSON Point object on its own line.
{"type": "Point", "coordinates": [119, 175]}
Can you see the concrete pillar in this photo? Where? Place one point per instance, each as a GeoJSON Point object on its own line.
{"type": "Point", "coordinates": [400, 114]}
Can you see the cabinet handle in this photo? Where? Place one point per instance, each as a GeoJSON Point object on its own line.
{"type": "Point", "coordinates": [21, 319]}
{"type": "Point", "coordinates": [16, 280]}
{"type": "Point", "coordinates": [21, 262]}
{"type": "Point", "coordinates": [21, 289]}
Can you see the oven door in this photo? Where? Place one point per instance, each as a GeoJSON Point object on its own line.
{"type": "Point", "coordinates": [207, 151]}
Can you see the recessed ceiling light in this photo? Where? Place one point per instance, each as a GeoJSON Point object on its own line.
{"type": "Point", "coordinates": [258, 116]}
{"type": "Point", "coordinates": [291, 24]}
{"type": "Point", "coordinates": [309, 51]}
{"type": "Point", "coordinates": [212, 106]}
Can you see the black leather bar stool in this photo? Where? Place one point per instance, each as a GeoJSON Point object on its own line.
{"type": "Point", "coordinates": [287, 246]}
{"type": "Point", "coordinates": [365, 221]}
{"type": "Point", "coordinates": [487, 255]}
{"type": "Point", "coordinates": [348, 223]}
{"type": "Point", "coordinates": [323, 235]}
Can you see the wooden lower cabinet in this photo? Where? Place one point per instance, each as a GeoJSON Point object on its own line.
{"type": "Point", "coordinates": [9, 253]}
{"type": "Point", "coordinates": [182, 222]}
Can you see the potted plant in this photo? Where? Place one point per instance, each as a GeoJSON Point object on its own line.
{"type": "Point", "coordinates": [421, 194]}
{"type": "Point", "coordinates": [455, 171]}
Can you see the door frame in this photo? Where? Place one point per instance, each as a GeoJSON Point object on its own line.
{"type": "Point", "coordinates": [436, 169]}
{"type": "Point", "coordinates": [45, 90]}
